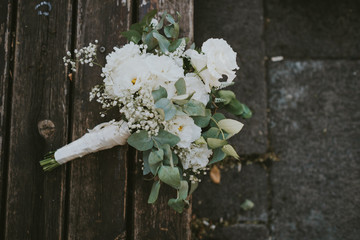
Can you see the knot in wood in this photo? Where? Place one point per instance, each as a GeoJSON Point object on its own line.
{"type": "Point", "coordinates": [46, 129]}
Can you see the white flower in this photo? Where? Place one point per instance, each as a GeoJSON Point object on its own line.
{"type": "Point", "coordinates": [194, 84]}
{"type": "Point", "coordinates": [165, 72]}
{"type": "Point", "coordinates": [184, 127]}
{"type": "Point", "coordinates": [129, 75]}
{"type": "Point", "coordinates": [217, 59]}
{"type": "Point", "coordinates": [196, 157]}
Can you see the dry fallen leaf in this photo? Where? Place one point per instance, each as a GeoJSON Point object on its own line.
{"type": "Point", "coordinates": [215, 174]}
{"type": "Point", "coordinates": [70, 76]}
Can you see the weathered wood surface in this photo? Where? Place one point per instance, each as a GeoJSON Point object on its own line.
{"type": "Point", "coordinates": [5, 38]}
{"type": "Point", "coordinates": [35, 200]}
{"type": "Point", "coordinates": [43, 109]}
{"type": "Point", "coordinates": [98, 182]}
{"type": "Point", "coordinates": [159, 221]}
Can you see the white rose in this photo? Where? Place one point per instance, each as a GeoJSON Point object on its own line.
{"type": "Point", "coordinates": [217, 59]}
{"type": "Point", "coordinates": [194, 84]}
{"type": "Point", "coordinates": [197, 157]}
{"type": "Point", "coordinates": [184, 127]}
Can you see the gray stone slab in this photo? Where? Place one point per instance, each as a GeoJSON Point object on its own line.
{"type": "Point", "coordinates": [216, 201]}
{"type": "Point", "coordinates": [240, 23]}
{"type": "Point", "coordinates": [240, 232]}
{"type": "Point", "coordinates": [315, 129]}
{"type": "Point", "coordinates": [307, 28]}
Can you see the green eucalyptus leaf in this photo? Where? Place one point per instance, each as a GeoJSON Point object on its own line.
{"type": "Point", "coordinates": [230, 151]}
{"type": "Point", "coordinates": [155, 159]}
{"type": "Point", "coordinates": [235, 107]}
{"type": "Point", "coordinates": [217, 117]}
{"type": "Point", "coordinates": [159, 93]}
{"type": "Point", "coordinates": [175, 44]}
{"type": "Point", "coordinates": [213, 132]}
{"type": "Point", "coordinates": [170, 19]}
{"type": "Point", "coordinates": [230, 125]}
{"type": "Point", "coordinates": [227, 95]}
{"type": "Point", "coordinates": [201, 140]}
{"type": "Point", "coordinates": [169, 31]}
{"type": "Point", "coordinates": [247, 112]}
{"type": "Point", "coordinates": [194, 108]}
{"type": "Point", "coordinates": [163, 42]}
{"type": "Point", "coordinates": [170, 176]}
{"type": "Point", "coordinates": [141, 141]}
{"type": "Point", "coordinates": [147, 18]}
{"type": "Point", "coordinates": [167, 106]}
{"type": "Point", "coordinates": [215, 143]}
{"type": "Point", "coordinates": [146, 169]}
{"type": "Point", "coordinates": [176, 30]}
{"type": "Point", "coordinates": [154, 192]}
{"type": "Point", "coordinates": [168, 156]}
{"type": "Point", "coordinates": [183, 190]}
{"type": "Point", "coordinates": [180, 86]}
{"type": "Point", "coordinates": [136, 27]}
{"type": "Point", "coordinates": [175, 159]}
{"type": "Point", "coordinates": [150, 41]}
{"type": "Point", "coordinates": [132, 35]}
{"type": "Point", "coordinates": [164, 137]}
{"type": "Point", "coordinates": [218, 155]}
{"type": "Point", "coordinates": [177, 204]}
{"type": "Point", "coordinates": [203, 121]}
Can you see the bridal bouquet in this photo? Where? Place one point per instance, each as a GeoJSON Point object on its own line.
{"type": "Point", "coordinates": [168, 97]}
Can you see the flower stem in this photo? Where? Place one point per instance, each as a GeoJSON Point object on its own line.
{"type": "Point", "coordinates": [222, 133]}
{"type": "Point", "coordinates": [49, 163]}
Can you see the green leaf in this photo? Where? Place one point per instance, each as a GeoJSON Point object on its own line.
{"type": "Point", "coordinates": [175, 44]}
{"type": "Point", "coordinates": [194, 108]}
{"type": "Point", "coordinates": [170, 19]}
{"type": "Point", "coordinates": [177, 204]}
{"type": "Point", "coordinates": [180, 86]}
{"type": "Point", "coordinates": [169, 31]}
{"type": "Point", "coordinates": [147, 18]}
{"type": "Point", "coordinates": [230, 125]}
{"type": "Point", "coordinates": [217, 117]}
{"type": "Point", "coordinates": [235, 107]}
{"type": "Point", "coordinates": [132, 35]}
{"type": "Point", "coordinates": [141, 141]}
{"type": "Point", "coordinates": [146, 169]}
{"type": "Point", "coordinates": [183, 190]}
{"type": "Point", "coordinates": [154, 192]}
{"type": "Point", "coordinates": [136, 27]}
{"type": "Point", "coordinates": [167, 106]}
{"type": "Point", "coordinates": [215, 142]}
{"type": "Point", "coordinates": [218, 155]}
{"type": "Point", "coordinates": [150, 41]}
{"type": "Point", "coordinates": [230, 151]}
{"type": "Point", "coordinates": [193, 187]}
{"type": "Point", "coordinates": [201, 140]}
{"type": "Point", "coordinates": [213, 132]}
{"type": "Point", "coordinates": [247, 112]}
{"type": "Point", "coordinates": [168, 156]}
{"type": "Point", "coordinates": [170, 176]}
{"type": "Point", "coordinates": [175, 159]}
{"type": "Point", "coordinates": [227, 95]}
{"type": "Point", "coordinates": [159, 93]}
{"type": "Point", "coordinates": [155, 159]}
{"type": "Point", "coordinates": [161, 22]}
{"type": "Point", "coordinates": [203, 121]}
{"type": "Point", "coordinates": [247, 205]}
{"type": "Point", "coordinates": [164, 137]}
{"type": "Point", "coordinates": [163, 42]}
{"type": "Point", "coordinates": [176, 30]}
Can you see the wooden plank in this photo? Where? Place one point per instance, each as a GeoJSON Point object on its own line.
{"type": "Point", "coordinates": [5, 51]}
{"type": "Point", "coordinates": [159, 221]}
{"type": "Point", "coordinates": [35, 200]}
{"type": "Point", "coordinates": [99, 181]}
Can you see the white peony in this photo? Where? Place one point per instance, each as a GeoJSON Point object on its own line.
{"type": "Point", "coordinates": [194, 84]}
{"type": "Point", "coordinates": [184, 127]}
{"type": "Point", "coordinates": [217, 59]}
{"type": "Point", "coordinates": [197, 157]}
{"type": "Point", "coordinates": [120, 55]}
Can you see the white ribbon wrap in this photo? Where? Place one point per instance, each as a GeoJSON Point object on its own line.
{"type": "Point", "coordinates": [103, 136]}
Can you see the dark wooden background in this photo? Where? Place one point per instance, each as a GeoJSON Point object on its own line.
{"type": "Point", "coordinates": [103, 195]}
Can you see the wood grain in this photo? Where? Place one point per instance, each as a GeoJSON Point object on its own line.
{"type": "Point", "coordinates": [159, 221]}
{"type": "Point", "coordinates": [5, 52]}
{"type": "Point", "coordinates": [35, 200]}
{"type": "Point", "coordinates": [98, 182]}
